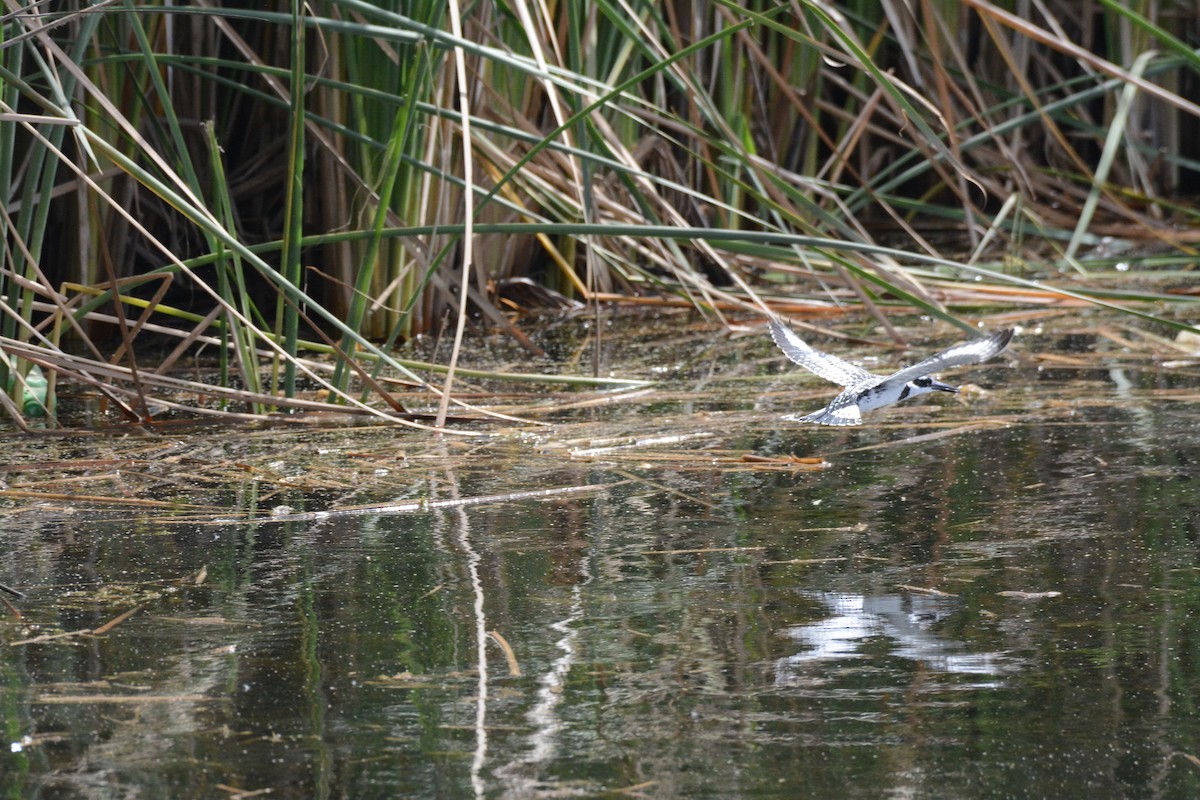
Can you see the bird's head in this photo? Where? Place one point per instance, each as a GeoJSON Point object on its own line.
{"type": "Point", "coordinates": [926, 384]}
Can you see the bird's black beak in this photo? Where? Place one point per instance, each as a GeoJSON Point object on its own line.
{"type": "Point", "coordinates": [944, 387]}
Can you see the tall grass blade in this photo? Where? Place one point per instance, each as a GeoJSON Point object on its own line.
{"type": "Point", "coordinates": [468, 238]}
{"type": "Point", "coordinates": [287, 313]}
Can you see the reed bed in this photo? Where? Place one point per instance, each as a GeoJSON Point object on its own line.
{"type": "Point", "coordinates": [294, 191]}
{"type": "Point", "coordinates": [694, 423]}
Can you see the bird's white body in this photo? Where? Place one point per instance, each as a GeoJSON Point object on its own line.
{"type": "Point", "coordinates": [865, 391]}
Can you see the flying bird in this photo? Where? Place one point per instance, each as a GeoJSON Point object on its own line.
{"type": "Point", "coordinates": [865, 391]}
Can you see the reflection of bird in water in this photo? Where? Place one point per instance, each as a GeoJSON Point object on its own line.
{"type": "Point", "coordinates": [909, 622]}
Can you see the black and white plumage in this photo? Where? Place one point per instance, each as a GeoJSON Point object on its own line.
{"type": "Point", "coordinates": [865, 391]}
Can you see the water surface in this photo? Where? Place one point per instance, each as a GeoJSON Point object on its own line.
{"type": "Point", "coordinates": [997, 599]}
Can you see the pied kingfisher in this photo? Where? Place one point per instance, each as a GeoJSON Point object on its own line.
{"type": "Point", "coordinates": [865, 391]}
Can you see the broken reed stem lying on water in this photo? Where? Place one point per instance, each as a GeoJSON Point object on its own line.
{"type": "Point", "coordinates": [415, 507]}
{"type": "Point", "coordinates": [100, 631]}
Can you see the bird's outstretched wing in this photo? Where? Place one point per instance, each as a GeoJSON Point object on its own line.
{"type": "Point", "coordinates": [831, 368]}
{"type": "Point", "coordinates": [975, 351]}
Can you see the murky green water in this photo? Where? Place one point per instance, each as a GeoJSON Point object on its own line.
{"type": "Point", "coordinates": [1008, 606]}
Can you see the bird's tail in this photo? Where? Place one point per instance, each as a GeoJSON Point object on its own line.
{"type": "Point", "coordinates": [825, 417]}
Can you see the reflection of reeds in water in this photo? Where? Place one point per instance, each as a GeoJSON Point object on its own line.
{"type": "Point", "coordinates": [206, 176]}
